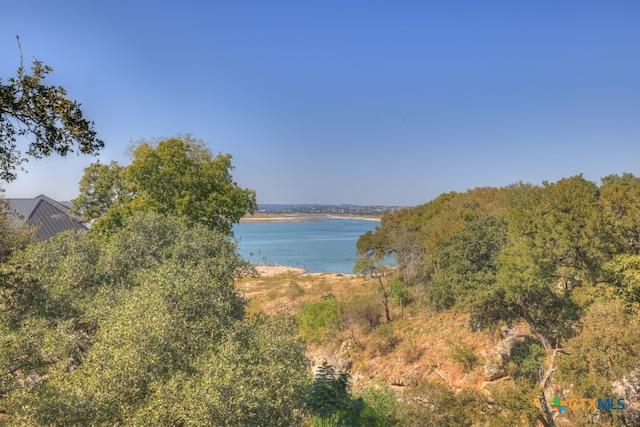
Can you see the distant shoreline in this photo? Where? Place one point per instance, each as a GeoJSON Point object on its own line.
{"type": "Point", "coordinates": [301, 217]}
{"type": "Point", "coordinates": [277, 270]}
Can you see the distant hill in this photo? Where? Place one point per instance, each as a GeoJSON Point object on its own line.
{"type": "Point", "coordinates": [319, 209]}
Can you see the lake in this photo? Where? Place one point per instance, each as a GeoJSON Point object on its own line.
{"type": "Point", "coordinates": [325, 245]}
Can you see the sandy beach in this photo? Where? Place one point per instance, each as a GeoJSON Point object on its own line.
{"type": "Point", "coordinates": [274, 270]}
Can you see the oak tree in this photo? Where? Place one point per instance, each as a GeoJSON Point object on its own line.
{"type": "Point", "coordinates": [179, 176]}
{"type": "Point", "coordinates": [31, 108]}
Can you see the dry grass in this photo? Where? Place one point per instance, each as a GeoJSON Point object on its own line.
{"type": "Point", "coordinates": [416, 348]}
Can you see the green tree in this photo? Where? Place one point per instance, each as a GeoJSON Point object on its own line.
{"type": "Point", "coordinates": [319, 320]}
{"type": "Point", "coordinates": [377, 271]}
{"type": "Point", "coordinates": [100, 187]}
{"type": "Point", "coordinates": [12, 238]}
{"type": "Point", "coordinates": [400, 294]}
{"type": "Point", "coordinates": [28, 107]}
{"type": "Point", "coordinates": [177, 176]}
{"type": "Point", "coordinates": [329, 399]}
{"type": "Point", "coordinates": [624, 283]}
{"type": "Point", "coordinates": [555, 245]}
{"type": "Point", "coordinates": [380, 407]}
{"type": "Point", "coordinates": [619, 196]}
{"type": "Point", "coordinates": [416, 235]}
{"type": "Point", "coordinates": [467, 272]}
{"type": "Point", "coordinates": [364, 265]}
{"type": "Point", "coordinates": [143, 327]}
{"type": "Point", "coordinates": [605, 349]}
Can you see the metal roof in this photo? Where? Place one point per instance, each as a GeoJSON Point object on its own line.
{"type": "Point", "coordinates": [48, 216]}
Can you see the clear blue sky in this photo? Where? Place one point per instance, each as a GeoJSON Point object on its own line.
{"type": "Point", "coordinates": [365, 102]}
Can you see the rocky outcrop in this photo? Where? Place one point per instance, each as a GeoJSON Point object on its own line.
{"type": "Point", "coordinates": [494, 367]}
{"type": "Point", "coordinates": [506, 346]}
{"type": "Point", "coordinates": [340, 359]}
{"type": "Point", "coordinates": [629, 387]}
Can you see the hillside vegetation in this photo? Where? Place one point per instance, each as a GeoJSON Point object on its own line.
{"type": "Point", "coordinates": [503, 299]}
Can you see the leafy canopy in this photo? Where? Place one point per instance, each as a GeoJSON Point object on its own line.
{"type": "Point", "coordinates": [178, 176]}
{"type": "Point", "coordinates": [28, 107]}
{"type": "Point", "coordinates": [142, 327]}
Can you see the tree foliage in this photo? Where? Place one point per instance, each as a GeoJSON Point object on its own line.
{"type": "Point", "coordinates": [144, 327]}
{"type": "Point", "coordinates": [177, 176]}
{"type": "Point", "coordinates": [12, 238]}
{"type": "Point", "coordinates": [100, 187]}
{"type": "Point", "coordinates": [562, 257]}
{"type": "Point", "coordinates": [329, 399]}
{"type": "Point", "coordinates": [32, 109]}
{"type": "Point", "coordinates": [319, 320]}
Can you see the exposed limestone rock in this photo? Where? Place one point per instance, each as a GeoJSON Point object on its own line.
{"type": "Point", "coordinates": [495, 358]}
{"type": "Point", "coordinates": [629, 387]}
{"type": "Point", "coordinates": [398, 380]}
{"type": "Point", "coordinates": [506, 346]}
{"type": "Point", "coordinates": [340, 359]}
{"type": "Point", "coordinates": [494, 366]}
{"type": "Point", "coordinates": [513, 331]}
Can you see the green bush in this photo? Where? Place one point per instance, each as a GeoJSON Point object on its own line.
{"type": "Point", "coordinates": [433, 404]}
{"type": "Point", "coordinates": [463, 354]}
{"type": "Point", "coordinates": [515, 404]}
{"type": "Point", "coordinates": [605, 349]}
{"type": "Point", "coordinates": [318, 320]}
{"type": "Point", "coordinates": [529, 359]}
{"type": "Point", "coordinates": [144, 327]}
{"type": "Point", "coordinates": [294, 290]}
{"type": "Point", "coordinates": [329, 399]}
{"type": "Point", "coordinates": [410, 351]}
{"type": "Point", "coordinates": [380, 407]}
{"type": "Point", "coordinates": [272, 294]}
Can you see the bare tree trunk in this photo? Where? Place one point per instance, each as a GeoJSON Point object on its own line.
{"type": "Point", "coordinates": [385, 298]}
{"type": "Point", "coordinates": [532, 325]}
{"type": "Point", "coordinates": [544, 382]}
{"type": "Point", "coordinates": [547, 420]}
{"type": "Point", "coordinates": [355, 339]}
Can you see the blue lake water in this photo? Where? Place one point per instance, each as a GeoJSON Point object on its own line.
{"type": "Point", "coordinates": [326, 245]}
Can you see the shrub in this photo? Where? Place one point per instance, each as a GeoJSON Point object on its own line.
{"type": "Point", "coordinates": [318, 320]}
{"type": "Point", "coordinates": [463, 354]}
{"type": "Point", "coordinates": [323, 287]}
{"type": "Point", "coordinates": [294, 290]}
{"type": "Point", "coordinates": [362, 312]}
{"type": "Point", "coordinates": [383, 340]}
{"type": "Point", "coordinates": [529, 359]}
{"type": "Point", "coordinates": [514, 404]}
{"type": "Point", "coordinates": [410, 351]}
{"type": "Point", "coordinates": [329, 399]}
{"type": "Point", "coordinates": [401, 296]}
{"type": "Point", "coordinates": [380, 407]}
{"type": "Point", "coordinates": [605, 349]}
{"type": "Point", "coordinates": [272, 294]}
{"type": "Point", "coordinates": [433, 404]}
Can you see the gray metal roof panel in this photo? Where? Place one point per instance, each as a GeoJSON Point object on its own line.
{"type": "Point", "coordinates": [49, 216]}
{"type": "Point", "coordinates": [20, 210]}
{"type": "Point", "coordinates": [49, 221]}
